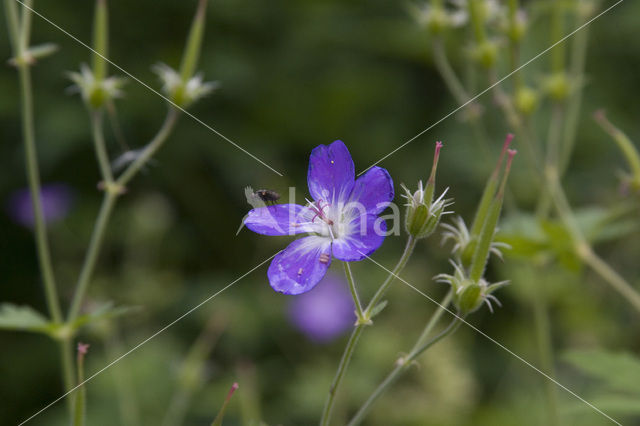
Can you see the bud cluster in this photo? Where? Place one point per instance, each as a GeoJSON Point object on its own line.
{"type": "Point", "coordinates": [473, 247]}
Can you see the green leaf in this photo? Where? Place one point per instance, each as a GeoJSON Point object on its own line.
{"type": "Point", "coordinates": [620, 371]}
{"type": "Point", "coordinates": [620, 405]}
{"type": "Point", "coordinates": [104, 311]}
{"type": "Point", "coordinates": [24, 318]}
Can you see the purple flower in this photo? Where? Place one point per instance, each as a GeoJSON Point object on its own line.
{"type": "Point", "coordinates": [325, 312]}
{"type": "Point", "coordinates": [342, 220]}
{"type": "Point", "coordinates": [56, 199]}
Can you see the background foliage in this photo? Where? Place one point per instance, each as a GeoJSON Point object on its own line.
{"type": "Point", "coordinates": [294, 75]}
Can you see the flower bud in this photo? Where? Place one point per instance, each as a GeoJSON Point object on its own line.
{"type": "Point", "coordinates": [557, 86]}
{"type": "Point", "coordinates": [486, 53]}
{"type": "Point", "coordinates": [470, 298]}
{"type": "Point", "coordinates": [96, 92]}
{"type": "Point", "coordinates": [526, 100]}
{"type": "Point", "coordinates": [423, 212]}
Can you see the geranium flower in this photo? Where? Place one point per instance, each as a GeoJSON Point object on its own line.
{"type": "Point", "coordinates": [324, 313]}
{"type": "Point", "coordinates": [342, 220]}
{"type": "Point", "coordinates": [56, 199]}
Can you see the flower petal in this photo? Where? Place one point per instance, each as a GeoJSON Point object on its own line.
{"type": "Point", "coordinates": [331, 173]}
{"type": "Point", "coordinates": [300, 266]}
{"type": "Point", "coordinates": [367, 234]}
{"type": "Point", "coordinates": [373, 190]}
{"type": "Point", "coordinates": [281, 219]}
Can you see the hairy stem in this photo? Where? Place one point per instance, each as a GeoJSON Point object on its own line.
{"type": "Point", "coordinates": [357, 331]}
{"type": "Point", "coordinates": [408, 250]}
{"type": "Point", "coordinates": [354, 292]}
{"type": "Point", "coordinates": [404, 363]}
{"type": "Point", "coordinates": [108, 202]}
{"type": "Point", "coordinates": [342, 369]}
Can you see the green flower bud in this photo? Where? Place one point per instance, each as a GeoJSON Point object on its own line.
{"type": "Point", "coordinates": [470, 298]}
{"type": "Point", "coordinates": [486, 53]}
{"type": "Point", "coordinates": [423, 212]}
{"type": "Point", "coordinates": [526, 100]}
{"type": "Point", "coordinates": [557, 86]}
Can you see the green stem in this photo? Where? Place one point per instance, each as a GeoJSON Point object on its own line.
{"type": "Point", "coordinates": [33, 176]}
{"type": "Point", "coordinates": [401, 366]}
{"type": "Point", "coordinates": [150, 149]}
{"type": "Point", "coordinates": [342, 369]}
{"type": "Point", "coordinates": [81, 395]}
{"type": "Point", "coordinates": [433, 320]}
{"type": "Point", "coordinates": [100, 147]}
{"type": "Point", "coordinates": [545, 352]}
{"type": "Point", "coordinates": [408, 250]}
{"type": "Point", "coordinates": [578, 60]}
{"type": "Point", "coordinates": [13, 21]}
{"type": "Point", "coordinates": [582, 247]}
{"type": "Point", "coordinates": [25, 26]}
{"type": "Point", "coordinates": [447, 73]}
{"type": "Point", "coordinates": [93, 250]}
{"type": "Point", "coordinates": [354, 292]}
{"type": "Point", "coordinates": [357, 331]}
{"type": "Point", "coordinates": [110, 197]}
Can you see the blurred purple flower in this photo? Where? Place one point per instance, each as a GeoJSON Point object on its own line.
{"type": "Point", "coordinates": [325, 312]}
{"type": "Point", "coordinates": [56, 201]}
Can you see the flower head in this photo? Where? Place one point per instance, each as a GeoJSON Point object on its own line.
{"type": "Point", "coordinates": [56, 199]}
{"type": "Point", "coordinates": [342, 219]}
{"type": "Point", "coordinates": [325, 312]}
{"type": "Point", "coordinates": [96, 91]}
{"type": "Point", "coordinates": [183, 92]}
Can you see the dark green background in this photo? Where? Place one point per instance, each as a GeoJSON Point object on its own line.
{"type": "Point", "coordinates": [296, 74]}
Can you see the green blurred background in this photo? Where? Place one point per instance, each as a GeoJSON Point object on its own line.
{"type": "Point", "coordinates": [296, 74]}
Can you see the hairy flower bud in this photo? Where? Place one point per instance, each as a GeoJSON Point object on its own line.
{"type": "Point", "coordinates": [423, 212]}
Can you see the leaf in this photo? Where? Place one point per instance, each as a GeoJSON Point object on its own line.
{"type": "Point", "coordinates": [25, 318]}
{"type": "Point", "coordinates": [619, 371]}
{"type": "Point", "coordinates": [104, 311]}
{"type": "Point", "coordinates": [621, 405]}
{"type": "Point", "coordinates": [378, 308]}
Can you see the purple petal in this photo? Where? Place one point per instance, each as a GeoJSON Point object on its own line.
{"type": "Point", "coordinates": [331, 173]}
{"type": "Point", "coordinates": [299, 267]}
{"type": "Point", "coordinates": [325, 312]}
{"type": "Point", "coordinates": [373, 190]}
{"type": "Point", "coordinates": [56, 199]}
{"type": "Point", "coordinates": [367, 234]}
{"type": "Point", "coordinates": [281, 219]}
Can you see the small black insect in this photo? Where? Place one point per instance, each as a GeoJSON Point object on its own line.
{"type": "Point", "coordinates": [267, 195]}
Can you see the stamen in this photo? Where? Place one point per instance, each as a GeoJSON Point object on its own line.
{"type": "Point", "coordinates": [300, 271]}
{"type": "Point", "coordinates": [324, 258]}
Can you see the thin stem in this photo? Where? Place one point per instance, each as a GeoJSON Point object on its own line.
{"type": "Point", "coordinates": [342, 369]}
{"type": "Point", "coordinates": [355, 335]}
{"type": "Point", "coordinates": [25, 26]}
{"type": "Point", "coordinates": [33, 176]}
{"type": "Point", "coordinates": [354, 292]}
{"type": "Point", "coordinates": [13, 21]}
{"type": "Point", "coordinates": [582, 247]}
{"type": "Point", "coordinates": [447, 73]}
{"type": "Point", "coordinates": [108, 202]}
{"type": "Point", "coordinates": [434, 319]}
{"type": "Point", "coordinates": [408, 250]}
{"type": "Point", "coordinates": [545, 352]}
{"type": "Point", "coordinates": [578, 60]}
{"type": "Point", "coordinates": [100, 146]}
{"type": "Point", "coordinates": [401, 366]}
{"type": "Point", "coordinates": [150, 149]}
{"type": "Point", "coordinates": [91, 256]}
